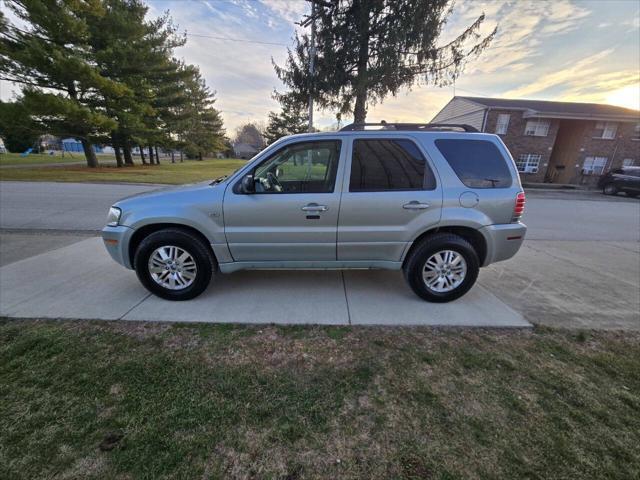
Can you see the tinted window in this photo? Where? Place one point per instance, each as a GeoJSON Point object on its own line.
{"type": "Point", "coordinates": [478, 163]}
{"type": "Point", "coordinates": [308, 167]}
{"type": "Point", "coordinates": [379, 165]}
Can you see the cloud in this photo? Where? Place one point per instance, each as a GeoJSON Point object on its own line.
{"type": "Point", "coordinates": [543, 48]}
{"type": "Point", "coordinates": [523, 28]}
{"type": "Point", "coordinates": [289, 11]}
{"type": "Point", "coordinates": [241, 73]}
{"type": "Point", "coordinates": [568, 75]}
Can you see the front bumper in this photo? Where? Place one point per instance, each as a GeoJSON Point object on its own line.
{"type": "Point", "coordinates": [116, 240]}
{"type": "Point", "coordinates": [503, 241]}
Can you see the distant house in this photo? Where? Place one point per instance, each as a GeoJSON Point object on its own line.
{"type": "Point", "coordinates": [2, 147]}
{"type": "Point", "coordinates": [554, 142]}
{"type": "Point", "coordinates": [244, 150]}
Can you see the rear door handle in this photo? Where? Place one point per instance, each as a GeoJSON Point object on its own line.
{"type": "Point", "coordinates": [415, 205]}
{"type": "Point", "coordinates": [314, 207]}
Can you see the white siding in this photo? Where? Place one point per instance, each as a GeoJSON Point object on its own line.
{"type": "Point", "coordinates": [459, 110]}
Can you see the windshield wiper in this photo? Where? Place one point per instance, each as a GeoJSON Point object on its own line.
{"type": "Point", "coordinates": [219, 179]}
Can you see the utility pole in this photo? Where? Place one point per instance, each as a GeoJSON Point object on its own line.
{"type": "Point", "coordinates": [312, 62]}
{"type": "Point", "coordinates": [311, 20]}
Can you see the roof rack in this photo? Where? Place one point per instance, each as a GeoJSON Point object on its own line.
{"type": "Point", "coordinates": [410, 126]}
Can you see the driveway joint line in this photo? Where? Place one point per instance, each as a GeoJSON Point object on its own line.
{"type": "Point", "coordinates": [132, 308]}
{"type": "Point", "coordinates": [346, 298]}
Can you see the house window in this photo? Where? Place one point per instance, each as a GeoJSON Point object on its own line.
{"type": "Point", "coordinates": [528, 162]}
{"type": "Point", "coordinates": [537, 128]}
{"type": "Point", "coordinates": [502, 123]}
{"type": "Point", "coordinates": [594, 165]}
{"type": "Point", "coordinates": [636, 132]}
{"type": "Point", "coordinates": [606, 130]}
{"type": "Point", "coordinates": [628, 162]}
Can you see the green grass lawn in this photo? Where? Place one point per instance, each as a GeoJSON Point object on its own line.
{"type": "Point", "coordinates": [41, 158]}
{"type": "Point", "coordinates": [141, 400]}
{"type": "Point", "coordinates": [167, 172]}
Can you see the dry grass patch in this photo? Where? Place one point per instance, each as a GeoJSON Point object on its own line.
{"type": "Point", "coordinates": [190, 171]}
{"type": "Point", "coordinates": [228, 401]}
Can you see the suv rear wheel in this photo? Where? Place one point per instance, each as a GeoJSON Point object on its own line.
{"type": "Point", "coordinates": [610, 189]}
{"type": "Point", "coordinates": [174, 264]}
{"type": "Point", "coordinates": [442, 268]}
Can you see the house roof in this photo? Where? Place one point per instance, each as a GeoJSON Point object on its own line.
{"type": "Point", "coordinates": [245, 147]}
{"type": "Point", "coordinates": [544, 108]}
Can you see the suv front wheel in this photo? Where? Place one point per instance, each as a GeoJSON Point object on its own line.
{"type": "Point", "coordinates": [442, 268]}
{"type": "Point", "coordinates": [174, 264]}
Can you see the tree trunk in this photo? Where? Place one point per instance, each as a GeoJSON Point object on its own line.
{"type": "Point", "coordinates": [181, 156]}
{"type": "Point", "coordinates": [173, 156]}
{"type": "Point", "coordinates": [119, 161]}
{"type": "Point", "coordinates": [92, 160]}
{"type": "Point", "coordinates": [144, 161]}
{"type": "Point", "coordinates": [157, 157]}
{"type": "Point", "coordinates": [126, 149]}
{"type": "Point", "coordinates": [116, 149]}
{"type": "Point", "coordinates": [200, 156]}
{"type": "Point", "coordinates": [151, 155]}
{"type": "Point", "coordinates": [360, 108]}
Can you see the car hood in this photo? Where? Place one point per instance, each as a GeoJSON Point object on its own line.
{"type": "Point", "coordinates": [167, 194]}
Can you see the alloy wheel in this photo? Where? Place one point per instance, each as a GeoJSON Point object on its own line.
{"type": "Point", "coordinates": [444, 271]}
{"type": "Point", "coordinates": [172, 267]}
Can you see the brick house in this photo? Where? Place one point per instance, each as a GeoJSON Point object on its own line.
{"type": "Point", "coordinates": [554, 142]}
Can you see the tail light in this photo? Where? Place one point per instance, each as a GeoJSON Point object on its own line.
{"type": "Point", "coordinates": [518, 209]}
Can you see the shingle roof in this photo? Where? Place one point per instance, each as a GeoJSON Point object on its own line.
{"type": "Point", "coordinates": [563, 108]}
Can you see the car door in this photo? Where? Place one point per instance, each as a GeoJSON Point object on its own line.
{"type": "Point", "coordinates": [390, 195]}
{"type": "Point", "coordinates": [633, 181]}
{"type": "Point", "coordinates": [293, 213]}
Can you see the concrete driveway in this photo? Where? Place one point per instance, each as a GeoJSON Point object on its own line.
{"type": "Point", "coordinates": [81, 281]}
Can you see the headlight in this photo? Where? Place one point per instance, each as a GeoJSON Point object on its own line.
{"type": "Point", "coordinates": [113, 217]}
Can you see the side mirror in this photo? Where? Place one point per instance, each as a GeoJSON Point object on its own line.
{"type": "Point", "coordinates": [248, 184]}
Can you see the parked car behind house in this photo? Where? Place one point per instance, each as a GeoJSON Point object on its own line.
{"type": "Point", "coordinates": [625, 179]}
{"type": "Point", "coordinates": [433, 202]}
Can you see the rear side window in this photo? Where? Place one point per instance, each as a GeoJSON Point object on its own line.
{"type": "Point", "coordinates": [387, 165]}
{"type": "Point", "coordinates": [478, 163]}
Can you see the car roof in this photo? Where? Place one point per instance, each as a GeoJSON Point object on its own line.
{"type": "Point", "coordinates": [393, 133]}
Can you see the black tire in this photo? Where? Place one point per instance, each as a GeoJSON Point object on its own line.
{"type": "Point", "coordinates": [415, 263]}
{"type": "Point", "coordinates": [610, 189]}
{"type": "Point", "coordinates": [205, 262]}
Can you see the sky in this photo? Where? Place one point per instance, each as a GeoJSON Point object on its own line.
{"type": "Point", "coordinates": [569, 50]}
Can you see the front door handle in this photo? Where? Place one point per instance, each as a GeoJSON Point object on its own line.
{"type": "Point", "coordinates": [415, 205]}
{"type": "Point", "coordinates": [314, 207]}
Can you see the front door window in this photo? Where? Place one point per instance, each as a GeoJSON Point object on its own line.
{"type": "Point", "coordinates": [308, 167]}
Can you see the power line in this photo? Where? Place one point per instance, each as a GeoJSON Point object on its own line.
{"type": "Point", "coordinates": [230, 39]}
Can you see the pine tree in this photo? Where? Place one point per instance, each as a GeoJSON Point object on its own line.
{"type": "Point", "coordinates": [201, 128]}
{"type": "Point", "coordinates": [293, 118]}
{"type": "Point", "coordinates": [369, 49]}
{"type": "Point", "coordinates": [137, 52]}
{"type": "Point", "coordinates": [51, 58]}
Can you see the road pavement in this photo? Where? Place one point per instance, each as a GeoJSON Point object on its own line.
{"type": "Point", "coordinates": [578, 268]}
{"type": "Point", "coordinates": [60, 206]}
{"type": "Point", "coordinates": [83, 206]}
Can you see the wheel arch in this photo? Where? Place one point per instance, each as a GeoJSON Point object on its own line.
{"type": "Point", "coordinates": [472, 235]}
{"type": "Point", "coordinates": [146, 230]}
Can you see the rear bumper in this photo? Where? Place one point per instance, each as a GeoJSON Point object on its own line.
{"type": "Point", "coordinates": [116, 241]}
{"type": "Point", "coordinates": [503, 241]}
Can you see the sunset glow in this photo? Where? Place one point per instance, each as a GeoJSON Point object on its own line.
{"type": "Point", "coordinates": [628, 97]}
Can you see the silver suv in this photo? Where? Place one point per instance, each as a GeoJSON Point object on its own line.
{"type": "Point", "coordinates": [437, 201]}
